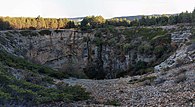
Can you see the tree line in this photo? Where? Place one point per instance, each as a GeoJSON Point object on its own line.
{"type": "Point", "coordinates": [9, 23]}
{"type": "Point", "coordinates": [92, 22]}
{"type": "Point", "coordinates": [184, 17]}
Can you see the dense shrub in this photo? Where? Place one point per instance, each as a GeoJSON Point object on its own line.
{"type": "Point", "coordinates": [145, 49]}
{"type": "Point", "coordinates": [29, 93]}
{"type": "Point", "coordinates": [58, 31]}
{"type": "Point", "coordinates": [181, 78]}
{"type": "Point", "coordinates": [21, 63]}
{"type": "Point", "coordinates": [113, 102]}
{"type": "Point", "coordinates": [28, 33]}
{"type": "Point", "coordinates": [45, 32]}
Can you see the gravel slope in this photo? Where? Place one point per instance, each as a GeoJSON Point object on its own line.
{"type": "Point", "coordinates": [173, 88]}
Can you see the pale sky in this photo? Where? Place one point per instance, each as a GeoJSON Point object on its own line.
{"type": "Point", "coordinates": [80, 8]}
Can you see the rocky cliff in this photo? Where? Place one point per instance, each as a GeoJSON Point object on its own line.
{"type": "Point", "coordinates": [52, 48]}
{"type": "Point", "coordinates": [184, 53]}
{"type": "Point", "coordinates": [104, 53]}
{"type": "Point", "coordinates": [107, 52]}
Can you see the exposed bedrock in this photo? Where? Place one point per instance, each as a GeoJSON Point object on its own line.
{"type": "Point", "coordinates": [103, 54]}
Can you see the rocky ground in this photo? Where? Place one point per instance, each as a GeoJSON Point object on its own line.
{"type": "Point", "coordinates": [172, 88]}
{"type": "Point", "coordinates": [171, 85]}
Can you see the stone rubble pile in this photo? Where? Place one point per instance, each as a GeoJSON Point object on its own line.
{"type": "Point", "coordinates": [172, 91]}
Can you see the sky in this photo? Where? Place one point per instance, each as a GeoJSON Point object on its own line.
{"type": "Point", "coordinates": [81, 8]}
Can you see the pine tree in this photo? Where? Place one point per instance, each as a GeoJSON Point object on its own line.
{"type": "Point", "coordinates": [193, 16]}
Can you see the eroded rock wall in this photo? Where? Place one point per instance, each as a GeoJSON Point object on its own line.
{"type": "Point", "coordinates": [104, 56]}
{"type": "Point", "coordinates": [53, 50]}
{"type": "Point", "coordinates": [183, 55]}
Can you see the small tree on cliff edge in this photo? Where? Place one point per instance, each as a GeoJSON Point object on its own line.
{"type": "Point", "coordinates": [193, 17]}
{"type": "Point", "coordinates": [91, 22]}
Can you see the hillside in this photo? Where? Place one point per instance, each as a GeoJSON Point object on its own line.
{"type": "Point", "coordinates": [90, 54]}
{"type": "Point", "coordinates": [145, 66]}
{"type": "Point", "coordinates": [27, 84]}
{"type": "Point", "coordinates": [103, 58]}
{"type": "Point", "coordinates": [172, 83]}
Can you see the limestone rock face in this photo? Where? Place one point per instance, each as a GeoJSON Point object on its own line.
{"type": "Point", "coordinates": [53, 50]}
{"type": "Point", "coordinates": [183, 55]}
{"type": "Point", "coordinates": [110, 54]}
{"type": "Point", "coordinates": [58, 48]}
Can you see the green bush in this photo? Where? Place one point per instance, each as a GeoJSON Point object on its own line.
{"type": "Point", "coordinates": [140, 65]}
{"type": "Point", "coordinates": [4, 96]}
{"type": "Point", "coordinates": [58, 31]}
{"type": "Point", "coordinates": [150, 79]}
{"type": "Point", "coordinates": [28, 33]}
{"type": "Point", "coordinates": [192, 41]}
{"type": "Point", "coordinates": [127, 46]}
{"type": "Point", "coordinates": [21, 63]}
{"type": "Point", "coordinates": [145, 48]}
{"type": "Point", "coordinates": [3, 41]}
{"type": "Point", "coordinates": [19, 91]}
{"type": "Point", "coordinates": [181, 78]}
{"type": "Point", "coordinates": [45, 32]}
{"type": "Point", "coordinates": [98, 41]}
{"type": "Point", "coordinates": [113, 102]}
